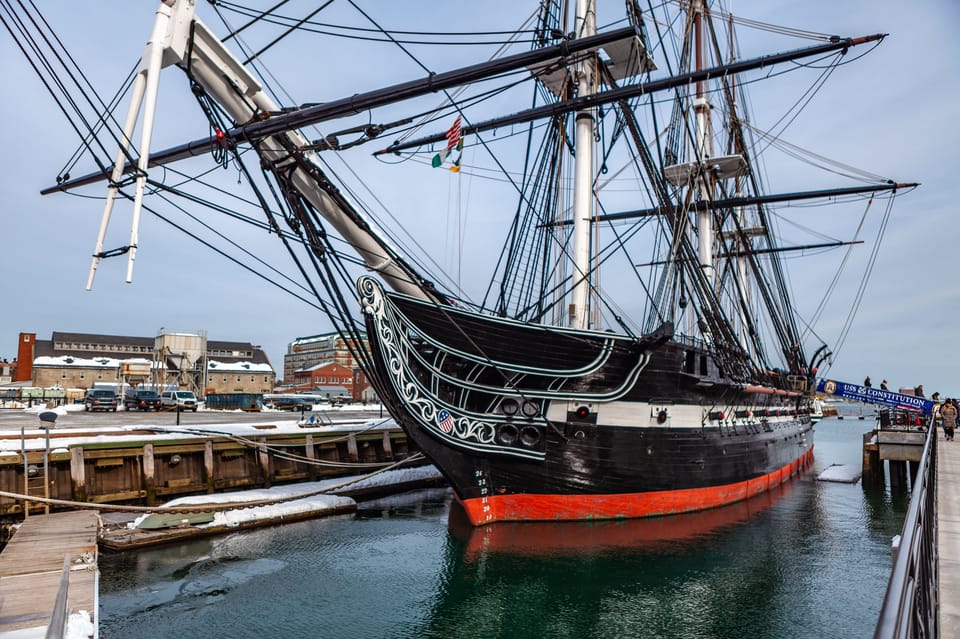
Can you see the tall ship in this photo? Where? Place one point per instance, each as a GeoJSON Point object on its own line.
{"type": "Point", "coordinates": [681, 380]}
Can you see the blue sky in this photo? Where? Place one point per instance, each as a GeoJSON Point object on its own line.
{"type": "Point", "coordinates": [891, 113]}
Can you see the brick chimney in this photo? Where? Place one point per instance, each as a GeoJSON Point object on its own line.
{"type": "Point", "coordinates": [25, 357]}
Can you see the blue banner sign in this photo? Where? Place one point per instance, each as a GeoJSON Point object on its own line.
{"type": "Point", "coordinates": [869, 395]}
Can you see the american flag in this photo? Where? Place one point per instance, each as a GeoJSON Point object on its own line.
{"type": "Point", "coordinates": [453, 135]}
{"type": "Point", "coordinates": [445, 420]}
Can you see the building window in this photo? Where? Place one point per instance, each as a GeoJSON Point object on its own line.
{"type": "Point", "coordinates": [265, 379]}
{"type": "Point", "coordinates": [238, 378]}
{"type": "Point", "coordinates": [63, 375]}
{"type": "Point", "coordinates": [224, 378]}
{"type": "Point", "coordinates": [82, 376]}
{"type": "Point", "coordinates": [99, 375]}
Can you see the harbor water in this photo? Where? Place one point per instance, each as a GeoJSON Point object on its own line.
{"type": "Point", "coordinates": [811, 559]}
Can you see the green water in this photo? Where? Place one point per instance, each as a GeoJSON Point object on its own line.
{"type": "Point", "coordinates": [809, 560]}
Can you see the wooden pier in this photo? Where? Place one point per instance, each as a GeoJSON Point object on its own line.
{"type": "Point", "coordinates": [144, 467]}
{"type": "Point", "coordinates": [32, 567]}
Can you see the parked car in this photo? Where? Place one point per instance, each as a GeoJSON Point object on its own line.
{"type": "Point", "coordinates": [292, 402]}
{"type": "Point", "coordinates": [186, 400]}
{"type": "Point", "coordinates": [138, 399]}
{"type": "Point", "coordinates": [100, 399]}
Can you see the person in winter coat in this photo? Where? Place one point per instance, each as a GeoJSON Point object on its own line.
{"type": "Point", "coordinates": [948, 413]}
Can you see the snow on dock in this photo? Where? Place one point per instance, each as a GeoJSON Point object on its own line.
{"type": "Point", "coordinates": [159, 527]}
{"type": "Point", "coordinates": [843, 473]}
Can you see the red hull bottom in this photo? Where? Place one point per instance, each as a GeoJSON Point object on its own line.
{"type": "Point", "coordinates": [527, 507]}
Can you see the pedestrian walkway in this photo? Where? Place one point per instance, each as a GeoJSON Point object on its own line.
{"type": "Point", "coordinates": [948, 535]}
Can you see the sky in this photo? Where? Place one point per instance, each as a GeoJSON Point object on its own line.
{"type": "Point", "coordinates": [891, 113]}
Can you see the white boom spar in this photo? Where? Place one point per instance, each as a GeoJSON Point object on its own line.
{"type": "Point", "coordinates": [239, 93]}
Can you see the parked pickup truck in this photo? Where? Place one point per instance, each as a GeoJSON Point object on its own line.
{"type": "Point", "coordinates": [138, 399]}
{"type": "Point", "coordinates": [99, 399]}
{"type": "Point", "coordinates": [186, 400]}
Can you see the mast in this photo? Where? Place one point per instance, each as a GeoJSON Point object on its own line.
{"type": "Point", "coordinates": [743, 241]}
{"type": "Point", "coordinates": [703, 151]}
{"type": "Point", "coordinates": [585, 26]}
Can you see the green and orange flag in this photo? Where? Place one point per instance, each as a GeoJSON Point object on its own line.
{"type": "Point", "coordinates": [454, 142]}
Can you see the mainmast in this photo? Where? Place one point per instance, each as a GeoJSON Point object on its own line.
{"type": "Point", "coordinates": [585, 26]}
{"type": "Point", "coordinates": [703, 150]}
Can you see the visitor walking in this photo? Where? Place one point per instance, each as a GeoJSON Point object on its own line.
{"type": "Point", "coordinates": [948, 413]}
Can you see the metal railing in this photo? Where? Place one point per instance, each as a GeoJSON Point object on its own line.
{"type": "Point", "coordinates": [911, 603]}
{"type": "Point", "coordinates": [58, 617]}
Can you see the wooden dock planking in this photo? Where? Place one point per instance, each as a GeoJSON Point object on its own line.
{"type": "Point", "coordinates": [948, 535]}
{"type": "Point", "coordinates": [31, 566]}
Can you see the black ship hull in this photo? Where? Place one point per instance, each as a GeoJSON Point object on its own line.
{"type": "Point", "coordinates": [533, 426]}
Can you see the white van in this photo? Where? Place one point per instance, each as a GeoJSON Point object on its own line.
{"type": "Point", "coordinates": [186, 400]}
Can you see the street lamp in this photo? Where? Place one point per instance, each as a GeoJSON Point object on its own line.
{"type": "Point", "coordinates": [47, 420]}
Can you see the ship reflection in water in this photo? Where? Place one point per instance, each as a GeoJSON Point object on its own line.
{"type": "Point", "coordinates": [716, 573]}
{"type": "Point", "coordinates": [603, 537]}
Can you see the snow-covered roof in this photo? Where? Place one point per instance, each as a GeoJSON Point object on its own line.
{"type": "Point", "coordinates": [65, 361]}
{"type": "Point", "coordinates": [237, 367]}
{"type": "Point", "coordinates": [309, 369]}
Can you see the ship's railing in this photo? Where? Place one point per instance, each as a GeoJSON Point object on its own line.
{"type": "Point", "coordinates": [910, 605]}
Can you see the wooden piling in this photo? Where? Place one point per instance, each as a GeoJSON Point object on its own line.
{"type": "Point", "coordinates": [898, 476]}
{"type": "Point", "coordinates": [263, 456]}
{"type": "Point", "coordinates": [311, 453]}
{"type": "Point", "coordinates": [149, 475]}
{"type": "Point", "coordinates": [78, 474]}
{"type": "Point", "coordinates": [352, 447]}
{"type": "Point", "coordinates": [387, 448]}
{"type": "Point", "coordinates": [872, 464]}
{"type": "Point", "coordinates": [208, 467]}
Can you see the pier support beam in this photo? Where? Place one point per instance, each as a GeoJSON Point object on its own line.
{"type": "Point", "coordinates": [149, 475]}
{"type": "Point", "coordinates": [914, 467]}
{"type": "Point", "coordinates": [263, 456]}
{"type": "Point", "coordinates": [78, 474]}
{"type": "Point", "coordinates": [311, 453]}
{"type": "Point", "coordinates": [208, 467]}
{"type": "Point", "coordinates": [872, 464]}
{"type": "Point", "coordinates": [898, 476]}
{"type": "Point", "coordinates": [352, 448]}
{"type": "Point", "coordinates": [387, 446]}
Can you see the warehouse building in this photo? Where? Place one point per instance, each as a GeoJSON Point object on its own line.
{"type": "Point", "coordinates": [187, 360]}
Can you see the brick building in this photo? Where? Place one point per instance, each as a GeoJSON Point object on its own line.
{"type": "Point", "coordinates": [187, 360]}
{"type": "Point", "coordinates": [326, 376]}
{"type": "Point", "coordinates": [306, 352]}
